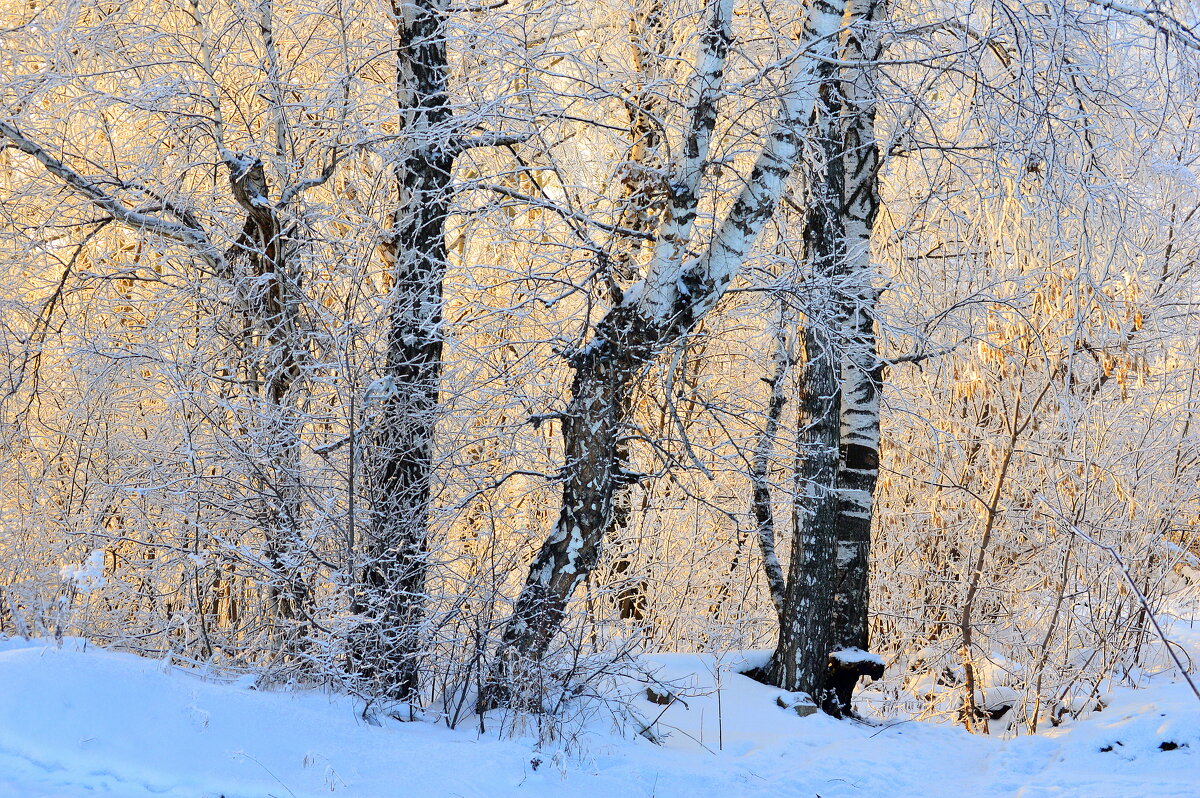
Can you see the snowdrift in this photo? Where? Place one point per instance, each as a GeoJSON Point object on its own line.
{"type": "Point", "coordinates": [77, 721]}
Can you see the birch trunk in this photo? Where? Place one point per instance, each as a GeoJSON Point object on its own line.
{"type": "Point", "coordinates": [760, 477]}
{"type": "Point", "coordinates": [675, 294]}
{"type": "Point", "coordinates": [800, 660]}
{"type": "Point", "coordinates": [862, 382]}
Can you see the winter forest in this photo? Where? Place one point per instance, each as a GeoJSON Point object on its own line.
{"type": "Point", "coordinates": [456, 355]}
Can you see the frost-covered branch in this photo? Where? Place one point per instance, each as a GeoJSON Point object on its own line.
{"type": "Point", "coordinates": [194, 238]}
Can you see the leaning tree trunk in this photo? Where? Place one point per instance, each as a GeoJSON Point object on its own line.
{"type": "Point", "coordinates": [591, 428]}
{"type": "Point", "coordinates": [862, 382]}
{"type": "Point", "coordinates": [399, 456]}
{"type": "Point", "coordinates": [669, 302]}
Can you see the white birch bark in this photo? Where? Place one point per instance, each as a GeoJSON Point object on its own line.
{"type": "Point", "coordinates": [657, 310]}
{"type": "Point", "coordinates": [862, 381]}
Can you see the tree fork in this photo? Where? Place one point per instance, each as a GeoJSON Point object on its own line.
{"type": "Point", "coordinates": [675, 294]}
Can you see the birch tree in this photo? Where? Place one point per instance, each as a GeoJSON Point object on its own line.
{"type": "Point", "coordinates": [799, 661]}
{"type": "Point", "coordinates": [675, 294]}
{"type": "Point", "coordinates": [822, 603]}
{"type": "Point", "coordinates": [862, 367]}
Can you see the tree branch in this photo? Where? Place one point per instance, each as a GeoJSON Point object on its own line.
{"type": "Point", "coordinates": [194, 238]}
{"type": "Point", "coordinates": [1158, 20]}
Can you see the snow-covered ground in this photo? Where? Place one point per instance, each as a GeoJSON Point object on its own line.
{"type": "Point", "coordinates": [77, 721]}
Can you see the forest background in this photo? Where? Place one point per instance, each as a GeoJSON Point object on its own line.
{"type": "Point", "coordinates": [451, 355]}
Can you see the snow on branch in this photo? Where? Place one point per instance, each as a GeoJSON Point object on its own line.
{"type": "Point", "coordinates": [1156, 18]}
{"type": "Point", "coordinates": [192, 237]}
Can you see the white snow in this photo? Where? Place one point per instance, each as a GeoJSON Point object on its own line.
{"type": "Point", "coordinates": [86, 576]}
{"type": "Point", "coordinates": [77, 721]}
{"type": "Point", "coordinates": [850, 656]}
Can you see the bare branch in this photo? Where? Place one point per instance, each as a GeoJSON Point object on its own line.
{"type": "Point", "coordinates": [1157, 19]}
{"type": "Point", "coordinates": [566, 213]}
{"type": "Point", "coordinates": [917, 358]}
{"type": "Point", "coordinates": [194, 238]}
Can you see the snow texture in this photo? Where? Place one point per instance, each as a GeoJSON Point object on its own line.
{"type": "Point", "coordinates": [850, 656]}
{"type": "Point", "coordinates": [77, 721]}
{"type": "Point", "coordinates": [86, 576]}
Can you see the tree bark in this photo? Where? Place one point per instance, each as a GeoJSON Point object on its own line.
{"type": "Point", "coordinates": [592, 425]}
{"type": "Point", "coordinates": [399, 453]}
{"type": "Point", "coordinates": [675, 294]}
{"type": "Point", "coordinates": [800, 660]}
{"type": "Point", "coordinates": [862, 371]}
